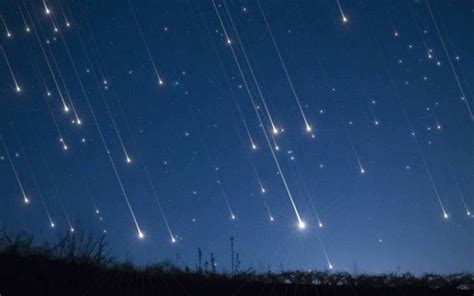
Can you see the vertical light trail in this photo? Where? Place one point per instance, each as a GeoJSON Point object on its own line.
{"type": "Point", "coordinates": [155, 195]}
{"type": "Point", "coordinates": [20, 185]}
{"type": "Point", "coordinates": [150, 182]}
{"type": "Point", "coordinates": [371, 108]}
{"type": "Point", "coordinates": [328, 261]}
{"type": "Point", "coordinates": [152, 61]}
{"type": "Point", "coordinates": [66, 90]}
{"type": "Point", "coordinates": [429, 52]}
{"type": "Point", "coordinates": [128, 159]}
{"type": "Point", "coordinates": [461, 196]}
{"type": "Point", "coordinates": [39, 77]}
{"type": "Point", "coordinates": [232, 93]}
{"type": "Point", "coordinates": [66, 215]}
{"type": "Point", "coordinates": [438, 125]}
{"type": "Point", "coordinates": [249, 65]}
{"type": "Point", "coordinates": [17, 87]}
{"type": "Point", "coordinates": [407, 120]}
{"type": "Point", "coordinates": [290, 81]}
{"type": "Point", "coordinates": [66, 20]}
{"type": "Point", "coordinates": [464, 98]}
{"type": "Point", "coordinates": [301, 223]}
{"type": "Point", "coordinates": [341, 116]}
{"type": "Point", "coordinates": [222, 23]}
{"type": "Point", "coordinates": [140, 234]}
{"type": "Point", "coordinates": [27, 27]}
{"type": "Point", "coordinates": [46, 8]}
{"type": "Point", "coordinates": [229, 85]}
{"type": "Point", "coordinates": [35, 181]}
{"type": "Point", "coordinates": [7, 31]}
{"type": "Point", "coordinates": [65, 106]}
{"type": "Point", "coordinates": [303, 187]}
{"type": "Point", "coordinates": [53, 183]}
{"type": "Point", "coordinates": [343, 16]}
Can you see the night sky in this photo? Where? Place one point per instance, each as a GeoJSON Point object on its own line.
{"type": "Point", "coordinates": [347, 144]}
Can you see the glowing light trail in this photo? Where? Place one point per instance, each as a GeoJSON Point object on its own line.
{"type": "Point", "coordinates": [290, 81]}
{"type": "Point", "coordinates": [20, 185]}
{"type": "Point", "coordinates": [142, 35]}
{"type": "Point", "coordinates": [464, 98]}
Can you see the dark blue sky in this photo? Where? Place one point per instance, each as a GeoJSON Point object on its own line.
{"type": "Point", "coordinates": [194, 143]}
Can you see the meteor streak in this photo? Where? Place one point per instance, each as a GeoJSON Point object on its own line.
{"type": "Point", "coordinates": [282, 62]}
{"type": "Point", "coordinates": [464, 98]}
{"type": "Point", "coordinates": [20, 185]}
{"type": "Point", "coordinates": [17, 87]}
{"type": "Point", "coordinates": [142, 36]}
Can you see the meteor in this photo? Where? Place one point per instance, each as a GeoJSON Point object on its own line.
{"type": "Point", "coordinates": [142, 36]}
{"type": "Point", "coordinates": [7, 31]}
{"type": "Point", "coordinates": [343, 16]}
{"type": "Point", "coordinates": [228, 41]}
{"type": "Point", "coordinates": [65, 106]}
{"type": "Point", "coordinates": [249, 65]}
{"type": "Point", "coordinates": [282, 62]}
{"type": "Point", "coordinates": [17, 87]}
{"type": "Point", "coordinates": [30, 169]}
{"type": "Point", "coordinates": [262, 126]}
{"type": "Point", "coordinates": [464, 98]}
{"type": "Point", "coordinates": [20, 184]}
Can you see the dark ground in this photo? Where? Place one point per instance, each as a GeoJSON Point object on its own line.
{"type": "Point", "coordinates": [37, 275]}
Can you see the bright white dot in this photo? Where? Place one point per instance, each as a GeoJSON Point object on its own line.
{"type": "Point", "coordinates": [254, 147]}
{"type": "Point", "coordinates": [83, 140]}
{"type": "Point", "coordinates": [129, 160]}
{"type": "Point", "coordinates": [97, 211]}
{"type": "Point", "coordinates": [79, 122]}
{"type": "Point", "coordinates": [65, 147]}
{"type": "Point", "coordinates": [141, 235]}
{"type": "Point", "coordinates": [173, 240]}
{"type": "Point", "coordinates": [320, 225]}
{"type": "Point", "coordinates": [396, 34]}
{"type": "Point", "coordinates": [275, 131]}
{"type": "Point", "coordinates": [160, 82]}
{"type": "Point", "coordinates": [72, 229]}
{"type": "Point", "coordinates": [52, 225]}
{"type": "Point", "coordinates": [301, 225]}
{"type": "Point", "coordinates": [277, 148]}
{"type": "Point", "coordinates": [330, 266]}
{"type": "Point", "coordinates": [26, 200]}
{"type": "Point", "coordinates": [18, 89]}
{"type": "Point", "coordinates": [272, 219]}
{"type": "Point", "coordinates": [68, 24]}
{"type": "Point", "coordinates": [233, 217]}
{"type": "Point", "coordinates": [66, 109]}
{"type": "Point", "coordinates": [229, 42]}
{"type": "Point", "coordinates": [344, 19]}
{"type": "Point", "coordinates": [362, 170]}
{"type": "Point", "coordinates": [263, 190]}
{"type": "Point", "coordinates": [27, 29]}
{"type": "Point", "coordinates": [48, 93]}
{"type": "Point", "coordinates": [445, 215]}
{"type": "Point", "coordinates": [308, 128]}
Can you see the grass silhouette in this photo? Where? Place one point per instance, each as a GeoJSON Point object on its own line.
{"type": "Point", "coordinates": [79, 264]}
